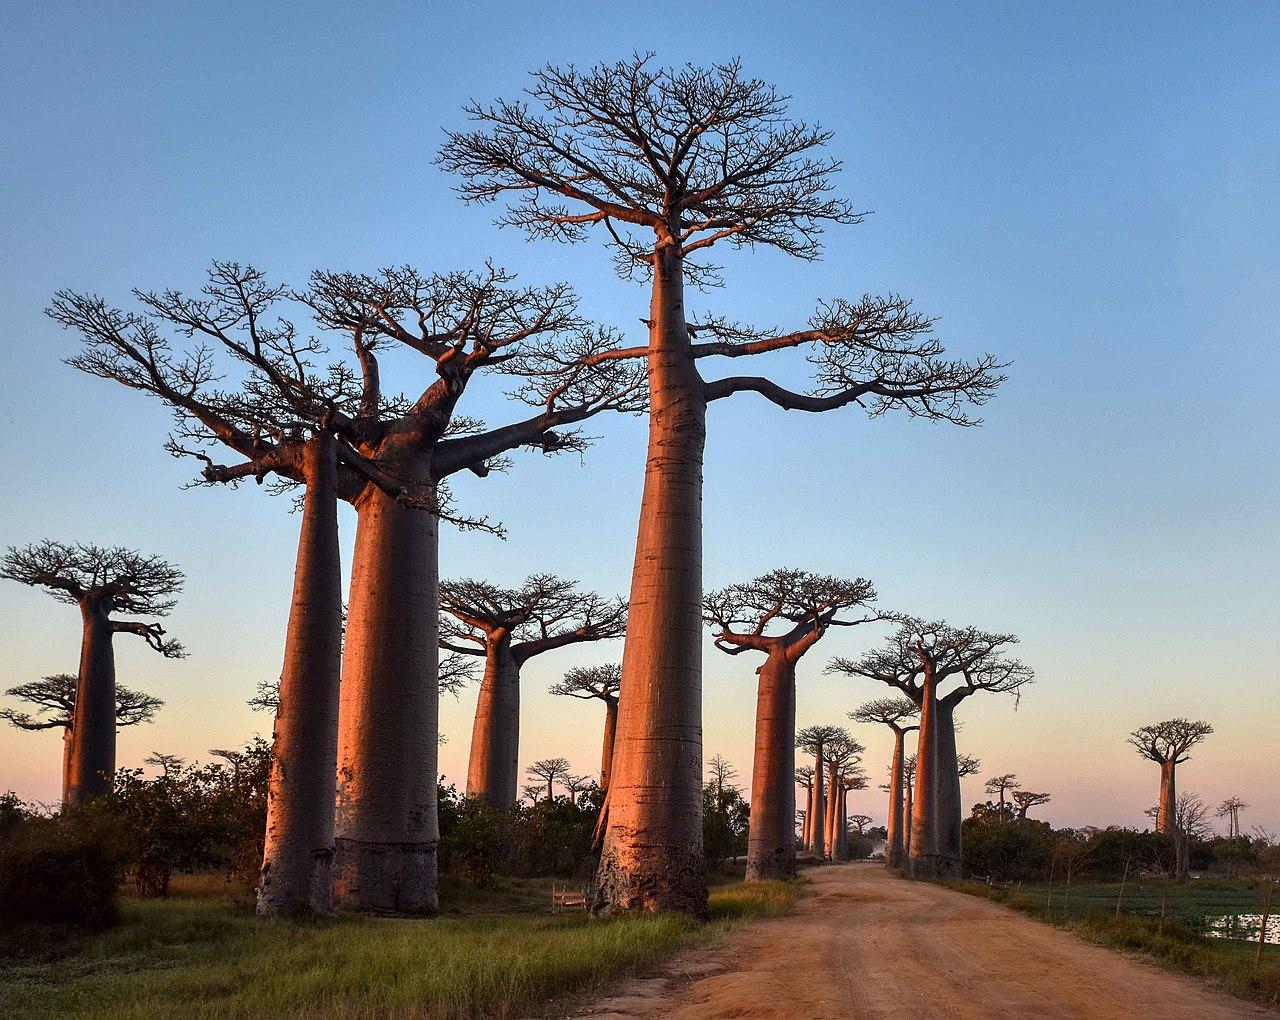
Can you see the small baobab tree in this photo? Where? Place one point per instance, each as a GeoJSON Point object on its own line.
{"type": "Point", "coordinates": [101, 582]}
{"type": "Point", "coordinates": [1000, 786]}
{"type": "Point", "coordinates": [596, 683]}
{"type": "Point", "coordinates": [1168, 744]}
{"type": "Point", "coordinates": [852, 777]}
{"type": "Point", "coordinates": [550, 771]}
{"type": "Point", "coordinates": [508, 627]}
{"type": "Point", "coordinates": [842, 756]}
{"type": "Point", "coordinates": [576, 785]}
{"type": "Point", "coordinates": [804, 777]}
{"type": "Point", "coordinates": [1026, 800]}
{"type": "Point", "coordinates": [782, 615]}
{"type": "Point", "coordinates": [1229, 809]}
{"type": "Point", "coordinates": [860, 823]}
{"type": "Point", "coordinates": [665, 163]}
{"type": "Point", "coordinates": [815, 740]}
{"type": "Point", "coordinates": [54, 699]}
{"type": "Point", "coordinates": [894, 713]}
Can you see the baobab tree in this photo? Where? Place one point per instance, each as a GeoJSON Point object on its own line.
{"type": "Point", "coordinates": [508, 627]}
{"type": "Point", "coordinates": [908, 796]}
{"type": "Point", "coordinates": [804, 777]}
{"type": "Point", "coordinates": [575, 785]}
{"type": "Point", "coordinates": [596, 683]}
{"type": "Point", "coordinates": [549, 771]}
{"type": "Point", "coordinates": [331, 430]}
{"type": "Point", "coordinates": [917, 660]}
{"type": "Point", "coordinates": [665, 163]}
{"type": "Point", "coordinates": [101, 582]}
{"type": "Point", "coordinates": [998, 786]}
{"type": "Point", "coordinates": [1229, 809]}
{"type": "Point", "coordinates": [782, 615]}
{"type": "Point", "coordinates": [852, 777]}
{"type": "Point", "coordinates": [1168, 744]}
{"type": "Point", "coordinates": [842, 754]}
{"type": "Point", "coordinates": [860, 822]}
{"type": "Point", "coordinates": [894, 713]}
{"type": "Point", "coordinates": [814, 740]}
{"type": "Point", "coordinates": [54, 698]}
{"type": "Point", "coordinates": [1026, 800]}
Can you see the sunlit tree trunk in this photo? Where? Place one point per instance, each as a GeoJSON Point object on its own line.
{"type": "Point", "coordinates": [908, 813]}
{"type": "Point", "coordinates": [808, 815]}
{"type": "Point", "coordinates": [771, 842]}
{"type": "Point", "coordinates": [833, 809]}
{"type": "Point", "coordinates": [387, 830]}
{"type": "Point", "coordinates": [492, 772]}
{"type": "Point", "coordinates": [950, 810]}
{"type": "Point", "coordinates": [817, 834]}
{"type": "Point", "coordinates": [652, 857]}
{"type": "Point", "coordinates": [93, 737]}
{"type": "Point", "coordinates": [924, 811]}
{"type": "Point", "coordinates": [297, 863]}
{"type": "Point", "coordinates": [894, 837]}
{"type": "Point", "coordinates": [606, 754]}
{"type": "Point", "coordinates": [1166, 812]}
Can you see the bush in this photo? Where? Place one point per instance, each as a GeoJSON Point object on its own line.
{"type": "Point", "coordinates": [478, 842]}
{"type": "Point", "coordinates": [1006, 850]}
{"type": "Point", "coordinates": [64, 869]}
{"type": "Point", "coordinates": [725, 823]}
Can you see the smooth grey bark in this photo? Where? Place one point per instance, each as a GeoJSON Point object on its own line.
{"type": "Point", "coordinates": [493, 770]}
{"type": "Point", "coordinates": [297, 863]}
{"type": "Point", "coordinates": [93, 736]}
{"type": "Point", "coordinates": [950, 810]}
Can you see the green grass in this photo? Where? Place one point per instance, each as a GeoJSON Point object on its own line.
{"type": "Point", "coordinates": [202, 953]}
{"type": "Point", "coordinates": [1172, 943]}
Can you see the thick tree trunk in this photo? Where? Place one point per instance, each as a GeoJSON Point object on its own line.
{"type": "Point", "coordinates": [92, 761]}
{"type": "Point", "coordinates": [817, 834]}
{"type": "Point", "coordinates": [1167, 812]}
{"type": "Point", "coordinates": [808, 815]}
{"type": "Point", "coordinates": [387, 829]}
{"type": "Point", "coordinates": [606, 753]}
{"type": "Point", "coordinates": [66, 765]}
{"type": "Point", "coordinates": [833, 809]}
{"type": "Point", "coordinates": [924, 811]}
{"type": "Point", "coordinates": [652, 857]}
{"type": "Point", "coordinates": [492, 773]}
{"type": "Point", "coordinates": [908, 811]}
{"type": "Point", "coordinates": [893, 844]}
{"type": "Point", "coordinates": [950, 808]}
{"type": "Point", "coordinates": [771, 843]}
{"type": "Point", "coordinates": [297, 863]}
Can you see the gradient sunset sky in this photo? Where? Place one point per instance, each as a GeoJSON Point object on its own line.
{"type": "Point", "coordinates": [1088, 192]}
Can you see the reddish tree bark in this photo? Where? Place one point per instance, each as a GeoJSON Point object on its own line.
{"type": "Point", "coordinates": [892, 712]}
{"type": "Point", "coordinates": [1167, 744]}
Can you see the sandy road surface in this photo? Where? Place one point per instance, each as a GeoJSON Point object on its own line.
{"type": "Point", "coordinates": [865, 944]}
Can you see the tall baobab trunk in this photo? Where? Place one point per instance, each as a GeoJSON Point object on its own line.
{"type": "Point", "coordinates": [92, 761]}
{"type": "Point", "coordinates": [66, 764]}
{"type": "Point", "coordinates": [771, 842]}
{"type": "Point", "coordinates": [297, 863]}
{"type": "Point", "coordinates": [387, 829]}
{"type": "Point", "coordinates": [894, 843]}
{"type": "Point", "coordinates": [924, 812]}
{"type": "Point", "coordinates": [492, 772]}
{"type": "Point", "coordinates": [1167, 812]}
{"type": "Point", "coordinates": [833, 808]}
{"type": "Point", "coordinates": [950, 810]}
{"type": "Point", "coordinates": [842, 827]}
{"type": "Point", "coordinates": [908, 812]}
{"type": "Point", "coordinates": [652, 857]}
{"type": "Point", "coordinates": [808, 815]}
{"type": "Point", "coordinates": [606, 754]}
{"type": "Point", "coordinates": [816, 829]}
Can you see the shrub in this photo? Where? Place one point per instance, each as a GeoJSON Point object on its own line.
{"type": "Point", "coordinates": [1007, 850]}
{"type": "Point", "coordinates": [64, 869]}
{"type": "Point", "coordinates": [479, 841]}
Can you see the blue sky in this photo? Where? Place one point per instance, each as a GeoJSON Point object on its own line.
{"type": "Point", "coordinates": [1086, 191]}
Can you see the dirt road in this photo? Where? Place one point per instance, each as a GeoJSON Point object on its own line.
{"type": "Point", "coordinates": [865, 944]}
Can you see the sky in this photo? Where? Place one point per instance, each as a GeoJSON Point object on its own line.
{"type": "Point", "coordinates": [1086, 190]}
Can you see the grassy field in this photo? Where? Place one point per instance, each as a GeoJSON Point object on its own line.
{"type": "Point", "coordinates": [1090, 912]}
{"type": "Point", "coordinates": [201, 953]}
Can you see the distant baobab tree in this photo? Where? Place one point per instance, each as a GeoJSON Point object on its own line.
{"type": "Point", "coordinates": [1229, 809]}
{"type": "Point", "coordinates": [575, 785]}
{"type": "Point", "coordinates": [852, 777]}
{"type": "Point", "coordinates": [101, 582]}
{"type": "Point", "coordinates": [782, 615]}
{"type": "Point", "coordinates": [332, 430]}
{"type": "Point", "coordinates": [596, 683]}
{"type": "Point", "coordinates": [54, 698]}
{"type": "Point", "coordinates": [508, 627]}
{"type": "Point", "coordinates": [550, 771]}
{"type": "Point", "coordinates": [842, 754]}
{"type": "Point", "coordinates": [894, 713]}
{"type": "Point", "coordinates": [908, 796]}
{"type": "Point", "coordinates": [815, 740]}
{"type": "Point", "coordinates": [998, 786]}
{"type": "Point", "coordinates": [860, 822]}
{"type": "Point", "coordinates": [1026, 800]}
{"type": "Point", "coordinates": [917, 660]}
{"type": "Point", "coordinates": [804, 777]}
{"type": "Point", "coordinates": [1168, 744]}
{"type": "Point", "coordinates": [666, 163]}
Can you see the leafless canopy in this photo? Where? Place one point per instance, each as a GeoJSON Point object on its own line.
{"type": "Point", "coordinates": [789, 607]}
{"type": "Point", "coordinates": [455, 672]}
{"type": "Point", "coordinates": [113, 579]}
{"type": "Point", "coordinates": [54, 698]}
{"type": "Point", "coordinates": [722, 772]}
{"type": "Point", "coordinates": [545, 612]}
{"type": "Point", "coordinates": [887, 711]}
{"type": "Point", "coordinates": [1169, 741]}
{"type": "Point", "coordinates": [549, 771]}
{"type": "Point", "coordinates": [1025, 799]}
{"type": "Point", "coordinates": [816, 739]}
{"type": "Point", "coordinates": [587, 682]}
{"type": "Point", "coordinates": [968, 765]}
{"type": "Point", "coordinates": [998, 786]}
{"type": "Point", "coordinates": [680, 159]}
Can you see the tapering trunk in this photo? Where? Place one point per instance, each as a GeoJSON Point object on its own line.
{"type": "Point", "coordinates": [817, 833]}
{"type": "Point", "coordinates": [92, 761]}
{"type": "Point", "coordinates": [652, 857]}
{"type": "Point", "coordinates": [842, 827]}
{"type": "Point", "coordinates": [606, 753]}
{"type": "Point", "coordinates": [297, 862]}
{"type": "Point", "coordinates": [495, 737]}
{"type": "Point", "coordinates": [893, 844]}
{"type": "Point", "coordinates": [66, 765]}
{"type": "Point", "coordinates": [1167, 812]}
{"type": "Point", "coordinates": [771, 843]}
{"type": "Point", "coordinates": [950, 809]}
{"type": "Point", "coordinates": [808, 815]}
{"type": "Point", "coordinates": [924, 811]}
{"type": "Point", "coordinates": [387, 829]}
{"type": "Point", "coordinates": [833, 809]}
{"type": "Point", "coordinates": [908, 812]}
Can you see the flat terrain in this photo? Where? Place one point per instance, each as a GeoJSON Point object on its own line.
{"type": "Point", "coordinates": [863, 943]}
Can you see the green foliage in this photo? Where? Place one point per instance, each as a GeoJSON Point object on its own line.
{"type": "Point", "coordinates": [726, 819]}
{"type": "Point", "coordinates": [12, 811]}
{"type": "Point", "coordinates": [479, 841]}
{"type": "Point", "coordinates": [1008, 850]}
{"type": "Point", "coordinates": [859, 847]}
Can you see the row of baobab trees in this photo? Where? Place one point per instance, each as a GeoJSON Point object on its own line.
{"type": "Point", "coordinates": [662, 164]}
